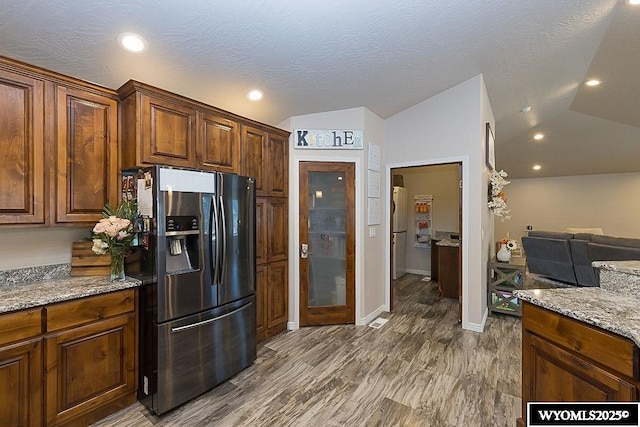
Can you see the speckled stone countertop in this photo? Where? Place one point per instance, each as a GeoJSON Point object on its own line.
{"type": "Point", "coordinates": [629, 267]}
{"type": "Point", "coordinates": [613, 311]}
{"type": "Point", "coordinates": [17, 296]}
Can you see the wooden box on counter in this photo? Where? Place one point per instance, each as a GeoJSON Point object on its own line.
{"type": "Point", "coordinates": [84, 262]}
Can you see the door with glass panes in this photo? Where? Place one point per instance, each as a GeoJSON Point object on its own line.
{"type": "Point", "coordinates": [327, 237]}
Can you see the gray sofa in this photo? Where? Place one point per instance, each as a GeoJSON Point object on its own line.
{"type": "Point", "coordinates": [567, 257]}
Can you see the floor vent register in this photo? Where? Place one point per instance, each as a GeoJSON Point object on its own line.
{"type": "Point", "coordinates": [378, 323]}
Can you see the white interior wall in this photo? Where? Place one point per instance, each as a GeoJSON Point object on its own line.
{"type": "Point", "coordinates": [29, 247]}
{"type": "Point", "coordinates": [611, 202]}
{"type": "Point", "coordinates": [444, 129]}
{"type": "Point", "coordinates": [441, 181]}
{"type": "Point", "coordinates": [369, 271]}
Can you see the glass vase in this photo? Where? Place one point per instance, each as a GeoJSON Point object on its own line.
{"type": "Point", "coordinates": [117, 265]}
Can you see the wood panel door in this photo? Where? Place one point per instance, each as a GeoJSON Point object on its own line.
{"type": "Point", "coordinates": [168, 132]}
{"type": "Point", "coordinates": [327, 228]}
{"type": "Point", "coordinates": [22, 172]}
{"type": "Point", "coordinates": [261, 302]}
{"type": "Point", "coordinates": [277, 287]}
{"type": "Point", "coordinates": [551, 373]}
{"type": "Point", "coordinates": [86, 155]}
{"type": "Point", "coordinates": [21, 384]}
{"type": "Point", "coordinates": [89, 366]}
{"type": "Point", "coordinates": [278, 176]}
{"type": "Point", "coordinates": [218, 143]}
{"type": "Point", "coordinates": [262, 230]}
{"type": "Point", "coordinates": [254, 143]}
{"type": "Point", "coordinates": [277, 220]}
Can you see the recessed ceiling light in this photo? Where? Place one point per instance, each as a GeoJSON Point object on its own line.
{"type": "Point", "coordinates": [525, 109]}
{"type": "Point", "coordinates": [132, 42]}
{"type": "Point", "coordinates": [593, 82]}
{"type": "Point", "coordinates": [255, 95]}
{"type": "Point", "coordinates": [537, 167]}
{"type": "Point", "coordinates": [633, 2]}
{"type": "Point", "coordinates": [538, 136]}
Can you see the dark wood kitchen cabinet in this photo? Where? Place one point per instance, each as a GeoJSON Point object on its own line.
{"type": "Point", "coordinates": [86, 155]}
{"type": "Point", "coordinates": [272, 268]}
{"type": "Point", "coordinates": [218, 142]}
{"type": "Point", "coordinates": [567, 360]}
{"type": "Point", "coordinates": [22, 172]}
{"type": "Point", "coordinates": [265, 156]}
{"type": "Point", "coordinates": [58, 147]}
{"type": "Point", "coordinates": [21, 368]}
{"type": "Point", "coordinates": [90, 358]}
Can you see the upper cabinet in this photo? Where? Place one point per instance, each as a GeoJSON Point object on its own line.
{"type": "Point", "coordinates": [58, 148]}
{"type": "Point", "coordinates": [86, 155]}
{"type": "Point", "coordinates": [218, 142]}
{"type": "Point", "coordinates": [265, 156]}
{"type": "Point", "coordinates": [22, 191]}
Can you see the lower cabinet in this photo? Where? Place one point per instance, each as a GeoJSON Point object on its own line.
{"type": "Point", "coordinates": [21, 369]}
{"type": "Point", "coordinates": [71, 363]}
{"type": "Point", "coordinates": [564, 360]}
{"type": "Point", "coordinates": [271, 297]}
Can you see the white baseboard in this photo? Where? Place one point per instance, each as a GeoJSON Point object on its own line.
{"type": "Point", "coordinates": [372, 316]}
{"type": "Point", "coordinates": [475, 327]}
{"type": "Point", "coordinates": [291, 326]}
{"type": "Point", "coordinates": [422, 272]}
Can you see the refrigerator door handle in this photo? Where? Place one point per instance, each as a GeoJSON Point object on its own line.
{"type": "Point", "coordinates": [215, 234]}
{"type": "Point", "coordinates": [213, 319]}
{"type": "Point", "coordinates": [223, 235]}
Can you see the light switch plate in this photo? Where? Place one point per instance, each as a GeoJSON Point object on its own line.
{"type": "Point", "coordinates": [372, 232]}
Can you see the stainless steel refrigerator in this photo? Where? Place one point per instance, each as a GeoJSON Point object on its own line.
{"type": "Point", "coordinates": [197, 303]}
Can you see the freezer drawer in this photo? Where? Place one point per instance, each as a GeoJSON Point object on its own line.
{"type": "Point", "coordinates": [198, 352]}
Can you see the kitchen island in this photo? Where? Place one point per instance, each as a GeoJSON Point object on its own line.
{"type": "Point", "coordinates": [582, 344]}
{"type": "Point", "coordinates": [68, 346]}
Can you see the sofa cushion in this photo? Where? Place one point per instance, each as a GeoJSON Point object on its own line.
{"type": "Point", "coordinates": [549, 256]}
{"type": "Point", "coordinates": [586, 275]}
{"type": "Point", "coordinates": [551, 234]}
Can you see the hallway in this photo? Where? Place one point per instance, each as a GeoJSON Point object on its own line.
{"type": "Point", "coordinates": [420, 369]}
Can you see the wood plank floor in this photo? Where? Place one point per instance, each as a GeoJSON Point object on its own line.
{"type": "Point", "coordinates": [420, 369]}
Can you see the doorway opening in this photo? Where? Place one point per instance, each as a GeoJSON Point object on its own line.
{"type": "Point", "coordinates": [426, 231]}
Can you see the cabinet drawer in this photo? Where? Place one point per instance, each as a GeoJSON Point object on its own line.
{"type": "Point", "coordinates": [609, 350]}
{"type": "Point", "coordinates": [20, 325]}
{"type": "Point", "coordinates": [85, 310]}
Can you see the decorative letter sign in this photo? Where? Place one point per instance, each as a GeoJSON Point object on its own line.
{"type": "Point", "coordinates": [314, 139]}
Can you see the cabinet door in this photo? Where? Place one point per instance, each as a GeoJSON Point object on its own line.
{"type": "Point", "coordinates": [88, 367]}
{"type": "Point", "coordinates": [263, 229]}
{"type": "Point", "coordinates": [168, 133]}
{"type": "Point", "coordinates": [21, 150]}
{"type": "Point", "coordinates": [218, 143]}
{"type": "Point", "coordinates": [261, 302]}
{"type": "Point", "coordinates": [86, 155]}
{"type": "Point", "coordinates": [254, 143]}
{"type": "Point", "coordinates": [277, 314]}
{"type": "Point", "coordinates": [278, 176]}
{"type": "Point", "coordinates": [551, 373]}
{"type": "Point", "coordinates": [277, 232]}
{"type": "Point", "coordinates": [21, 384]}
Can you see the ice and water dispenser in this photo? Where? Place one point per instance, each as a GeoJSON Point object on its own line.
{"type": "Point", "coordinates": [182, 234]}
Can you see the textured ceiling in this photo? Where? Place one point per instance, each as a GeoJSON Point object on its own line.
{"type": "Point", "coordinates": [309, 56]}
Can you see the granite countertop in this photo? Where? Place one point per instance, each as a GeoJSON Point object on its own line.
{"type": "Point", "coordinates": [447, 242]}
{"type": "Point", "coordinates": [41, 292]}
{"type": "Point", "coordinates": [629, 267]}
{"type": "Point", "coordinates": [612, 311]}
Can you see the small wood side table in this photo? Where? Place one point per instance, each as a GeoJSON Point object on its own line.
{"type": "Point", "coordinates": [504, 278]}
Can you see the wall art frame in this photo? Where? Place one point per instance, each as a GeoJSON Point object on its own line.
{"type": "Point", "coordinates": [490, 143]}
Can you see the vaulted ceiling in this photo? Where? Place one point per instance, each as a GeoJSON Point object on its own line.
{"type": "Point", "coordinates": [387, 55]}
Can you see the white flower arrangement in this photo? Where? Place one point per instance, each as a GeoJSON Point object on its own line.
{"type": "Point", "coordinates": [498, 201]}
